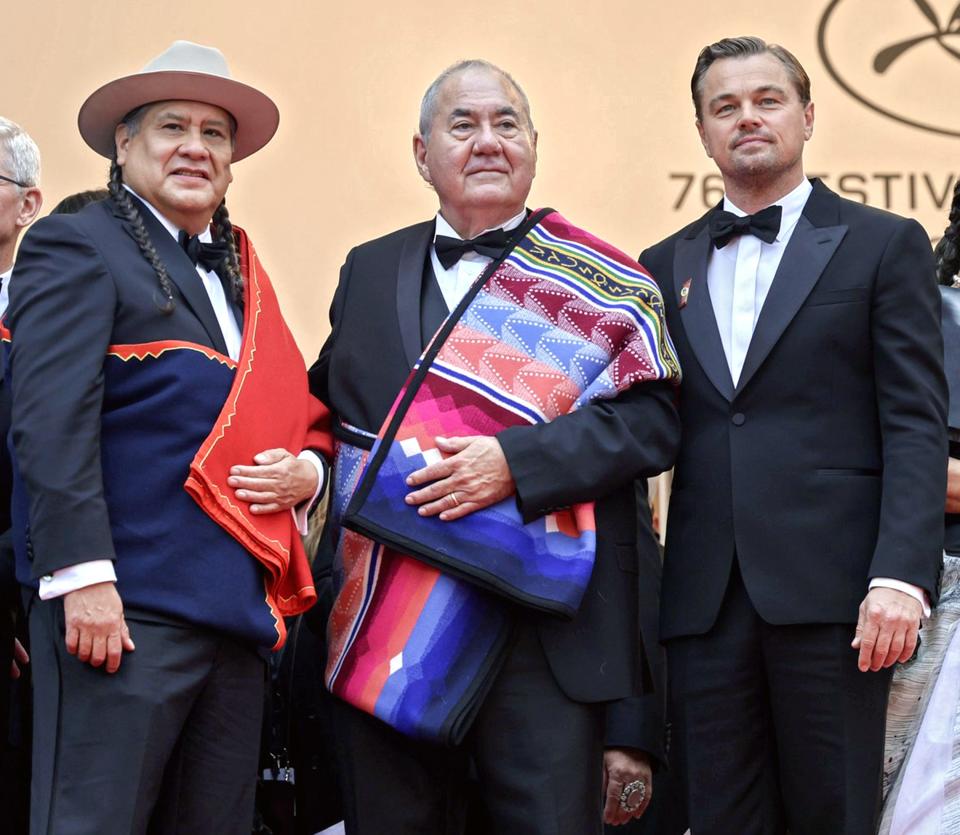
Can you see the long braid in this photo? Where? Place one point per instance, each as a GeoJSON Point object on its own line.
{"type": "Point", "coordinates": [947, 253]}
{"type": "Point", "coordinates": [132, 215]}
{"type": "Point", "coordinates": [223, 231]}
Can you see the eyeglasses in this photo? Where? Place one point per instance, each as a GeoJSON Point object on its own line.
{"type": "Point", "coordinates": [15, 182]}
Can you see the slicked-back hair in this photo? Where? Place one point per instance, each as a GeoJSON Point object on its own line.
{"type": "Point", "coordinates": [20, 153]}
{"type": "Point", "coordinates": [428, 105]}
{"type": "Point", "coordinates": [222, 228]}
{"type": "Point", "coordinates": [746, 47]}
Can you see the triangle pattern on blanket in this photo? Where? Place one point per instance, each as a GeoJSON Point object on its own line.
{"type": "Point", "coordinates": [488, 313]}
{"type": "Point", "coordinates": [629, 367]}
{"type": "Point", "coordinates": [550, 390]}
{"type": "Point", "coordinates": [502, 365]}
{"type": "Point", "coordinates": [612, 332]}
{"type": "Point", "coordinates": [588, 362]}
{"type": "Point", "coordinates": [559, 348]}
{"type": "Point", "coordinates": [524, 331]}
{"type": "Point", "coordinates": [466, 347]}
{"type": "Point", "coordinates": [548, 299]}
{"type": "Point", "coordinates": [511, 284]}
{"type": "Point", "coordinates": [579, 318]}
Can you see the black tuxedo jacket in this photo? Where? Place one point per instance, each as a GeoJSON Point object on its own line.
{"type": "Point", "coordinates": [825, 466]}
{"type": "Point", "coordinates": [595, 453]}
{"type": "Point", "coordinates": [81, 284]}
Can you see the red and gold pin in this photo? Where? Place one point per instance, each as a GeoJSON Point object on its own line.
{"type": "Point", "coordinates": [685, 292]}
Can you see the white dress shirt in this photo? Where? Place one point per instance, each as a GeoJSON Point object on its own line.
{"type": "Point", "coordinates": [455, 282]}
{"type": "Point", "coordinates": [739, 277]}
{"type": "Point", "coordinates": [71, 578]}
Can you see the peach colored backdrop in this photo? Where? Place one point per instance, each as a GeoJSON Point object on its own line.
{"type": "Point", "coordinates": [608, 82]}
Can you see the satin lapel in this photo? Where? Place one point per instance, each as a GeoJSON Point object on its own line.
{"type": "Point", "coordinates": [804, 260]}
{"type": "Point", "coordinates": [182, 273]}
{"type": "Point", "coordinates": [409, 281]}
{"type": "Point", "coordinates": [699, 321]}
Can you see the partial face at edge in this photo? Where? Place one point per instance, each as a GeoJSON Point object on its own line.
{"type": "Point", "coordinates": [481, 155]}
{"type": "Point", "coordinates": [179, 160]}
{"type": "Point", "coordinates": [18, 207]}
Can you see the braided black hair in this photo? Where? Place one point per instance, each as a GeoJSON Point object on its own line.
{"type": "Point", "coordinates": [947, 253]}
{"type": "Point", "coordinates": [223, 231]}
{"type": "Point", "coordinates": [131, 214]}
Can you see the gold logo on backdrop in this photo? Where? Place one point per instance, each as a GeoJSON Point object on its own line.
{"type": "Point", "coordinates": [901, 63]}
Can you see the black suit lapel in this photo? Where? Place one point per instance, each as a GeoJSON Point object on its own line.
{"type": "Point", "coordinates": [699, 322]}
{"type": "Point", "coordinates": [814, 240]}
{"type": "Point", "coordinates": [409, 286]}
{"type": "Point", "coordinates": [182, 273]}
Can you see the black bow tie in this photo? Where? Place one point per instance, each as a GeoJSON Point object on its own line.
{"type": "Point", "coordinates": [209, 256]}
{"type": "Point", "coordinates": [450, 250]}
{"type": "Point", "coordinates": [725, 226]}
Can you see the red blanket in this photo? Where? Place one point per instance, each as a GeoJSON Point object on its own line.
{"type": "Point", "coordinates": [269, 406]}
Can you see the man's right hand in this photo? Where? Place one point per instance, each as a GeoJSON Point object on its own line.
{"type": "Point", "coordinates": [95, 630]}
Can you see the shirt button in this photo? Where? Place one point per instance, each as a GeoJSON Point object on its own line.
{"type": "Point", "coordinates": [739, 419]}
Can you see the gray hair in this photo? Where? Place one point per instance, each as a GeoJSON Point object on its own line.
{"type": "Point", "coordinates": [428, 105]}
{"type": "Point", "coordinates": [744, 48]}
{"type": "Point", "coordinates": [21, 153]}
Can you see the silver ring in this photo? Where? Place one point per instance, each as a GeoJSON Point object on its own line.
{"type": "Point", "coordinates": [456, 501]}
{"type": "Point", "coordinates": [637, 787]}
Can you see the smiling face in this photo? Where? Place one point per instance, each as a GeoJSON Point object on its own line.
{"type": "Point", "coordinates": [481, 152]}
{"type": "Point", "coordinates": [179, 160]}
{"type": "Point", "coordinates": [753, 123]}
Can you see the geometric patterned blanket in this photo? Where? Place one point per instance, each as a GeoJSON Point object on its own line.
{"type": "Point", "coordinates": [561, 320]}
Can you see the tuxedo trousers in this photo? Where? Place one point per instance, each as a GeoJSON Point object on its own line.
{"type": "Point", "coordinates": [167, 745]}
{"type": "Point", "coordinates": [774, 728]}
{"type": "Point", "coordinates": [530, 765]}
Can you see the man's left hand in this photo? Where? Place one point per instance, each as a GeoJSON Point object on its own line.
{"type": "Point", "coordinates": [887, 628]}
{"type": "Point", "coordinates": [278, 481]}
{"type": "Point", "coordinates": [474, 476]}
{"type": "Point", "coordinates": [621, 767]}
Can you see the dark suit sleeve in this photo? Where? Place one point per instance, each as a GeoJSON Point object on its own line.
{"type": "Point", "coordinates": [61, 312]}
{"type": "Point", "coordinates": [319, 373]}
{"type": "Point", "coordinates": [638, 722]}
{"type": "Point", "coordinates": [912, 408]}
{"type": "Point", "coordinates": [585, 455]}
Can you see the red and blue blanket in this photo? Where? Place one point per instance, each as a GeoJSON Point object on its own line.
{"type": "Point", "coordinates": [416, 635]}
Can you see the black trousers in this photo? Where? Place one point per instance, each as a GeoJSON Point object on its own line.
{"type": "Point", "coordinates": [167, 744]}
{"type": "Point", "coordinates": [774, 727]}
{"type": "Point", "coordinates": [533, 761]}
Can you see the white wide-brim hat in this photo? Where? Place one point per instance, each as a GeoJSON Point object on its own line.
{"type": "Point", "coordinates": [185, 72]}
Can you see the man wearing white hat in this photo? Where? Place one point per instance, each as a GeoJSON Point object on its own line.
{"type": "Point", "coordinates": [145, 339]}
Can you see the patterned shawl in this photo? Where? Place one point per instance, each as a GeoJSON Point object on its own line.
{"type": "Point", "coordinates": [559, 321]}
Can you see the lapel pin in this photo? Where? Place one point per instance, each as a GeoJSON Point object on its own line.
{"type": "Point", "coordinates": [685, 292]}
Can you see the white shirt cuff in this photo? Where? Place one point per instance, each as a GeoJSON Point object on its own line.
{"type": "Point", "coordinates": [907, 588]}
{"type": "Point", "coordinates": [73, 577]}
{"type": "Point", "coordinates": [301, 513]}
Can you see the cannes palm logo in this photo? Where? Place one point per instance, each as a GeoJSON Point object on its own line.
{"type": "Point", "coordinates": [900, 58]}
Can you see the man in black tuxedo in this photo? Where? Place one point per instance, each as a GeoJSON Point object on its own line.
{"type": "Point", "coordinates": [148, 620]}
{"type": "Point", "coordinates": [808, 493]}
{"type": "Point", "coordinates": [567, 689]}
